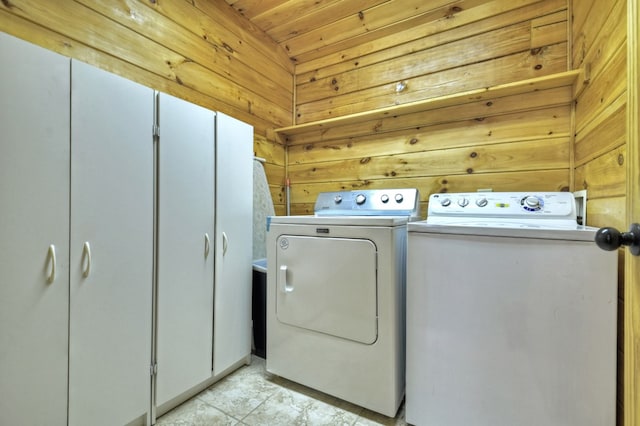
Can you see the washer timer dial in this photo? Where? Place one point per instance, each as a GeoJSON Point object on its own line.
{"type": "Point", "coordinates": [532, 203]}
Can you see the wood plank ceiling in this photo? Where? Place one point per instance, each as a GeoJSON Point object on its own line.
{"type": "Point", "coordinates": [310, 29]}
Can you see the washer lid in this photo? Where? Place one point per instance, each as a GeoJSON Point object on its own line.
{"type": "Point", "coordinates": [508, 229]}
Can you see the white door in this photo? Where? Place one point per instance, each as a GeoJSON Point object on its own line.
{"type": "Point", "coordinates": [34, 226]}
{"type": "Point", "coordinates": [111, 248]}
{"type": "Point", "coordinates": [185, 246]}
{"type": "Point", "coordinates": [234, 239]}
{"type": "Point", "coordinates": [327, 285]}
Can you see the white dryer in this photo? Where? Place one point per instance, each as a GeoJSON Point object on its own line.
{"type": "Point", "coordinates": [336, 296]}
{"type": "Point", "coordinates": [511, 314]}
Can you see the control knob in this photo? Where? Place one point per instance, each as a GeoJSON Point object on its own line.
{"type": "Point", "coordinates": [445, 202]}
{"type": "Point", "coordinates": [360, 199]}
{"type": "Point", "coordinates": [533, 202]}
{"type": "Point", "coordinates": [481, 202]}
{"type": "Point", "coordinates": [463, 202]}
{"type": "Point", "coordinates": [384, 198]}
{"type": "Point", "coordinates": [337, 199]}
{"type": "Point", "coordinates": [399, 198]}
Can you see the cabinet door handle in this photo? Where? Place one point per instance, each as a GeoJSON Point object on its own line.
{"type": "Point", "coordinates": [51, 259]}
{"type": "Point", "coordinates": [86, 259]}
{"type": "Point", "coordinates": [225, 243]}
{"type": "Point", "coordinates": [207, 245]}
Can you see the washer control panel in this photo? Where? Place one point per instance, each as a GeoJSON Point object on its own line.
{"type": "Point", "coordinates": [520, 205]}
{"type": "Point", "coordinates": [371, 202]}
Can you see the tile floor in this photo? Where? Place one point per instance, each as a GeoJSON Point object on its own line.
{"type": "Point", "coordinates": [251, 396]}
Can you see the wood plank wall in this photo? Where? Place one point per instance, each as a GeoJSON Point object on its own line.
{"type": "Point", "coordinates": [510, 144]}
{"type": "Point", "coordinates": [599, 40]}
{"type": "Point", "coordinates": [198, 50]}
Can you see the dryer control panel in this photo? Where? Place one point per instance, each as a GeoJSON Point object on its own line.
{"type": "Point", "coordinates": [371, 202]}
{"type": "Point", "coordinates": [522, 206]}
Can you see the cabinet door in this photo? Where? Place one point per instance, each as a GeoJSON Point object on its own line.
{"type": "Point", "coordinates": [185, 246]}
{"type": "Point", "coordinates": [234, 229]}
{"type": "Point", "coordinates": [111, 248]}
{"type": "Point", "coordinates": [34, 225]}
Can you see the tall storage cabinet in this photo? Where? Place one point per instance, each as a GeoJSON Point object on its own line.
{"type": "Point", "coordinates": [111, 272]}
{"type": "Point", "coordinates": [76, 243]}
{"type": "Point", "coordinates": [34, 234]}
{"type": "Point", "coordinates": [234, 239]}
{"type": "Point", "coordinates": [93, 212]}
{"type": "Point", "coordinates": [185, 246]}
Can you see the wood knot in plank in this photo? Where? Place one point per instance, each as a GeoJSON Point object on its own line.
{"type": "Point", "coordinates": [365, 160]}
{"type": "Point", "coordinates": [413, 141]}
{"type": "Point", "coordinates": [452, 11]}
{"type": "Point", "coordinates": [469, 170]}
{"type": "Point", "coordinates": [473, 154]}
{"type": "Point", "coordinates": [227, 47]}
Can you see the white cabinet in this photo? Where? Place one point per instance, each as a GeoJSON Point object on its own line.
{"type": "Point", "coordinates": [111, 272]}
{"type": "Point", "coordinates": [80, 185]}
{"type": "Point", "coordinates": [34, 234]}
{"type": "Point", "coordinates": [234, 229]}
{"type": "Point", "coordinates": [185, 246]}
{"type": "Point", "coordinates": [76, 241]}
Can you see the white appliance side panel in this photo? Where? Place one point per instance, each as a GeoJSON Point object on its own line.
{"type": "Point", "coordinates": [185, 268]}
{"type": "Point", "coordinates": [328, 285]}
{"type": "Point", "coordinates": [234, 240]}
{"type": "Point", "coordinates": [510, 331]}
{"type": "Point", "coordinates": [112, 211]}
{"type": "Point", "coordinates": [34, 195]}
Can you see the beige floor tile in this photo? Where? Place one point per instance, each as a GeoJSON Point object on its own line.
{"type": "Point", "coordinates": [196, 413]}
{"type": "Point", "coordinates": [252, 396]}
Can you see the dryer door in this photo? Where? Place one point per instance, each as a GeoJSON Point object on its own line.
{"type": "Point", "coordinates": [328, 285]}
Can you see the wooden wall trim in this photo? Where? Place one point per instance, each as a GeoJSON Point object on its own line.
{"type": "Point", "coordinates": [632, 263]}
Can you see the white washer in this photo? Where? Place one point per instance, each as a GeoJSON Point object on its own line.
{"type": "Point", "coordinates": [335, 296]}
{"type": "Point", "coordinates": [511, 314]}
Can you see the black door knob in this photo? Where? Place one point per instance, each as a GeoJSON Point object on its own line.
{"type": "Point", "coordinates": [611, 239]}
